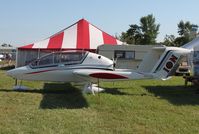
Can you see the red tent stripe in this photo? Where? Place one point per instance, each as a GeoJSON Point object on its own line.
{"type": "Point", "coordinates": [83, 39]}
{"type": "Point", "coordinates": [56, 41]}
{"type": "Point", "coordinates": [108, 39]}
{"type": "Point", "coordinates": [27, 46]}
{"type": "Point", "coordinates": [81, 35]}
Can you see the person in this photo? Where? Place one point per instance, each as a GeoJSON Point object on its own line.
{"type": "Point", "coordinates": [9, 58]}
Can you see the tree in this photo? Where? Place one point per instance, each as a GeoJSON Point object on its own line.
{"type": "Point", "coordinates": [146, 33]}
{"type": "Point", "coordinates": [149, 29]}
{"type": "Point", "coordinates": [133, 34]}
{"type": "Point", "coordinates": [169, 40]}
{"type": "Point", "coordinates": [123, 37]}
{"type": "Point", "coordinates": [6, 45]}
{"type": "Point", "coordinates": [187, 32]}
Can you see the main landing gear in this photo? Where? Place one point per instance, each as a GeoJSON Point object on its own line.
{"type": "Point", "coordinates": [92, 88]}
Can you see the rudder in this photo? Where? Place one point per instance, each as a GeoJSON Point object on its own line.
{"type": "Point", "coordinates": [169, 62]}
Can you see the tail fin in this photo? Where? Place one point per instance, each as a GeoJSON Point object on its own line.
{"type": "Point", "coordinates": [162, 62]}
{"type": "Point", "coordinates": [169, 62]}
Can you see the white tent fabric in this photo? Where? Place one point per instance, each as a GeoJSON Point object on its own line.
{"type": "Point", "coordinates": [81, 35]}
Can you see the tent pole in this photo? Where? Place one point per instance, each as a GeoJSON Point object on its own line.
{"type": "Point", "coordinates": [17, 56]}
{"type": "Point", "coordinates": [38, 54]}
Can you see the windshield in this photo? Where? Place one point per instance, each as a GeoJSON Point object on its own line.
{"type": "Point", "coordinates": [67, 58]}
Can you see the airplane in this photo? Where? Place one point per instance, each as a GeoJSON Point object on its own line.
{"type": "Point", "coordinates": [2, 57]}
{"type": "Point", "coordinates": [89, 68]}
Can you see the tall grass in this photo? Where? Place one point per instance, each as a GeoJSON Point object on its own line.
{"type": "Point", "coordinates": [147, 106]}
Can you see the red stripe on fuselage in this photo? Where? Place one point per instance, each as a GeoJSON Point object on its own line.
{"type": "Point", "coordinates": [107, 76]}
{"type": "Point", "coordinates": [43, 71]}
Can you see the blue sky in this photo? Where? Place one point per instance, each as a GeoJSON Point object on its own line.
{"type": "Point", "coordinates": [27, 21]}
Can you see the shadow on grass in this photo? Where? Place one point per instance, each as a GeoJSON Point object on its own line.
{"type": "Point", "coordinates": [177, 95]}
{"type": "Point", "coordinates": [116, 91]}
{"type": "Point", "coordinates": [6, 68]}
{"type": "Point", "coordinates": [57, 95]}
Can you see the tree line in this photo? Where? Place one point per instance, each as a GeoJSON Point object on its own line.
{"type": "Point", "coordinates": [146, 33]}
{"type": "Point", "coordinates": [6, 45]}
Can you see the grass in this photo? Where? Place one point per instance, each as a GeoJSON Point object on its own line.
{"type": "Point", "coordinates": [145, 106]}
{"type": "Point", "coordinates": [6, 62]}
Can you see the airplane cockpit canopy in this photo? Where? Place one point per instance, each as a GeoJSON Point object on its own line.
{"type": "Point", "coordinates": [56, 58]}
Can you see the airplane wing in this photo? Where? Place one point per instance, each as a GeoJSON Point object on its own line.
{"type": "Point", "coordinates": [101, 74]}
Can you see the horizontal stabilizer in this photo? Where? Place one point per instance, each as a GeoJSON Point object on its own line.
{"type": "Point", "coordinates": [192, 44]}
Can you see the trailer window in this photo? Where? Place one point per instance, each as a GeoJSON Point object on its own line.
{"type": "Point", "coordinates": [126, 55]}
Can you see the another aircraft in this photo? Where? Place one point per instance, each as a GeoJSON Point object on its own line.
{"type": "Point", "coordinates": [2, 57]}
{"type": "Point", "coordinates": [83, 66]}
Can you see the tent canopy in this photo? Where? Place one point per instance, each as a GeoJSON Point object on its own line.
{"type": "Point", "coordinates": [80, 35]}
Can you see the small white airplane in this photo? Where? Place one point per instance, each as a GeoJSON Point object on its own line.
{"type": "Point", "coordinates": [82, 66]}
{"type": "Point", "coordinates": [1, 57]}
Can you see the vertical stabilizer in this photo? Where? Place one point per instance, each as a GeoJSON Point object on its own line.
{"type": "Point", "coordinates": [151, 59]}
{"type": "Point", "coordinates": [162, 62]}
{"type": "Point", "coordinates": [169, 62]}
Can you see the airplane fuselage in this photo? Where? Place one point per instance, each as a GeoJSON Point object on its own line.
{"type": "Point", "coordinates": [84, 66]}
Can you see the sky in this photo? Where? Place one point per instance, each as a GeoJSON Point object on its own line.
{"type": "Point", "coordinates": [27, 21]}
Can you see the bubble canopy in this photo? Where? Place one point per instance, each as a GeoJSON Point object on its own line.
{"type": "Point", "coordinates": [56, 58]}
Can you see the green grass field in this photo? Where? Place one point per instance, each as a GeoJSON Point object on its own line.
{"type": "Point", "coordinates": [145, 106]}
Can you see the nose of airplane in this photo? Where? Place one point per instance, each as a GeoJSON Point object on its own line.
{"type": "Point", "coordinates": [17, 72]}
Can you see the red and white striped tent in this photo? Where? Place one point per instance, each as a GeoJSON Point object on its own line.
{"type": "Point", "coordinates": [81, 35]}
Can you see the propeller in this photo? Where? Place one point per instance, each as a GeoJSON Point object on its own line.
{"type": "Point", "coordinates": [114, 62]}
